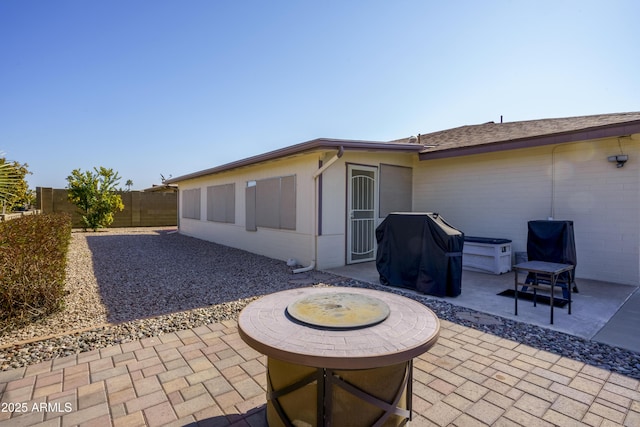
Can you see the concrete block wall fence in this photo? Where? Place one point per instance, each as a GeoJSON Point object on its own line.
{"type": "Point", "coordinates": [141, 209]}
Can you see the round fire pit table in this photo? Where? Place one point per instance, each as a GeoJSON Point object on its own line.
{"type": "Point", "coordinates": [338, 356]}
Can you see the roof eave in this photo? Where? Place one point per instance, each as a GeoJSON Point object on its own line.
{"type": "Point", "coordinates": [313, 145]}
{"type": "Point", "coordinates": [600, 132]}
{"type": "Point", "coordinates": [160, 187]}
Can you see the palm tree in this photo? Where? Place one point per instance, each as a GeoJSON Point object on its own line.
{"type": "Point", "coordinates": [129, 183]}
{"type": "Point", "coordinates": [8, 179]}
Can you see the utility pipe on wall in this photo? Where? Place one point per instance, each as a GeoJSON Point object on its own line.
{"type": "Point", "coordinates": [315, 176]}
{"type": "Point", "coordinates": [329, 163]}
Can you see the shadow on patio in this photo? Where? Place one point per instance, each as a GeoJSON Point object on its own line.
{"type": "Point", "coordinates": [145, 275]}
{"type": "Point", "coordinates": [601, 311]}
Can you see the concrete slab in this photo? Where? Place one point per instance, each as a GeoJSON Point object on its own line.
{"type": "Point", "coordinates": [622, 329]}
{"type": "Point", "coordinates": [594, 306]}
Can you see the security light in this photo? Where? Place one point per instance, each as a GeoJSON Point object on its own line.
{"type": "Point", "coordinates": [620, 159]}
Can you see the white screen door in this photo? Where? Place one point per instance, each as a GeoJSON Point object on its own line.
{"type": "Point", "coordinates": [361, 214]}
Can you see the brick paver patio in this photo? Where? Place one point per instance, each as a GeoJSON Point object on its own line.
{"type": "Point", "coordinates": [209, 376]}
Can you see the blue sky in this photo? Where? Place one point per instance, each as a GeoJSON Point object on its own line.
{"type": "Point", "coordinates": [173, 87]}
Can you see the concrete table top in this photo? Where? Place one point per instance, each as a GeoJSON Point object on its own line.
{"type": "Point", "coordinates": [409, 330]}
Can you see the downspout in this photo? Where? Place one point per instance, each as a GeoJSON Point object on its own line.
{"type": "Point", "coordinates": [553, 183]}
{"type": "Point", "coordinates": [315, 176]}
{"type": "Point", "coordinates": [329, 163]}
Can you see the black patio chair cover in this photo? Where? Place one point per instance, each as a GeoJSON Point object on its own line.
{"type": "Point", "coordinates": [553, 241]}
{"type": "Point", "coordinates": [420, 251]}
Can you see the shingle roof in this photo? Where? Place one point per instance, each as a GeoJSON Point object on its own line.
{"type": "Point", "coordinates": [463, 140]}
{"type": "Point", "coordinates": [501, 136]}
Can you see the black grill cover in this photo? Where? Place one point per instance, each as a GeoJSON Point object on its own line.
{"type": "Point", "coordinates": [420, 251]}
{"type": "Point", "coordinates": [553, 241]}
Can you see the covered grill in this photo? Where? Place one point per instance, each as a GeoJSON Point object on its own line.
{"type": "Point", "coordinates": [420, 251]}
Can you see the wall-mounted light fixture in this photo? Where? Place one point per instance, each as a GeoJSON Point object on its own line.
{"type": "Point", "coordinates": [620, 160]}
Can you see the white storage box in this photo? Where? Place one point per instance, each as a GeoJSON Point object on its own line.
{"type": "Point", "coordinates": [486, 255]}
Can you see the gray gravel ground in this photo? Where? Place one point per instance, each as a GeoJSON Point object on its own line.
{"type": "Point", "coordinates": [127, 284]}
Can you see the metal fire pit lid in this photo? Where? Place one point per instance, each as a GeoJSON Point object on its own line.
{"type": "Point", "coordinates": [339, 310]}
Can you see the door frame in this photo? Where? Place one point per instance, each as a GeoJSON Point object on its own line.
{"type": "Point", "coordinates": [371, 238]}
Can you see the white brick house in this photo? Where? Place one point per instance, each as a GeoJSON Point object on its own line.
{"type": "Point", "coordinates": [320, 201]}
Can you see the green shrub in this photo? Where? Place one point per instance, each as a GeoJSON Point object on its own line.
{"type": "Point", "coordinates": [94, 193]}
{"type": "Point", "coordinates": [33, 254]}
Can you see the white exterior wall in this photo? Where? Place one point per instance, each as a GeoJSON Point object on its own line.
{"type": "Point", "coordinates": [274, 243]}
{"type": "Point", "coordinates": [332, 241]}
{"type": "Point", "coordinates": [298, 243]}
{"type": "Point", "coordinates": [332, 244]}
{"type": "Point", "coordinates": [495, 194]}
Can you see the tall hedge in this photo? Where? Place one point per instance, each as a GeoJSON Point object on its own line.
{"type": "Point", "coordinates": [33, 254]}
